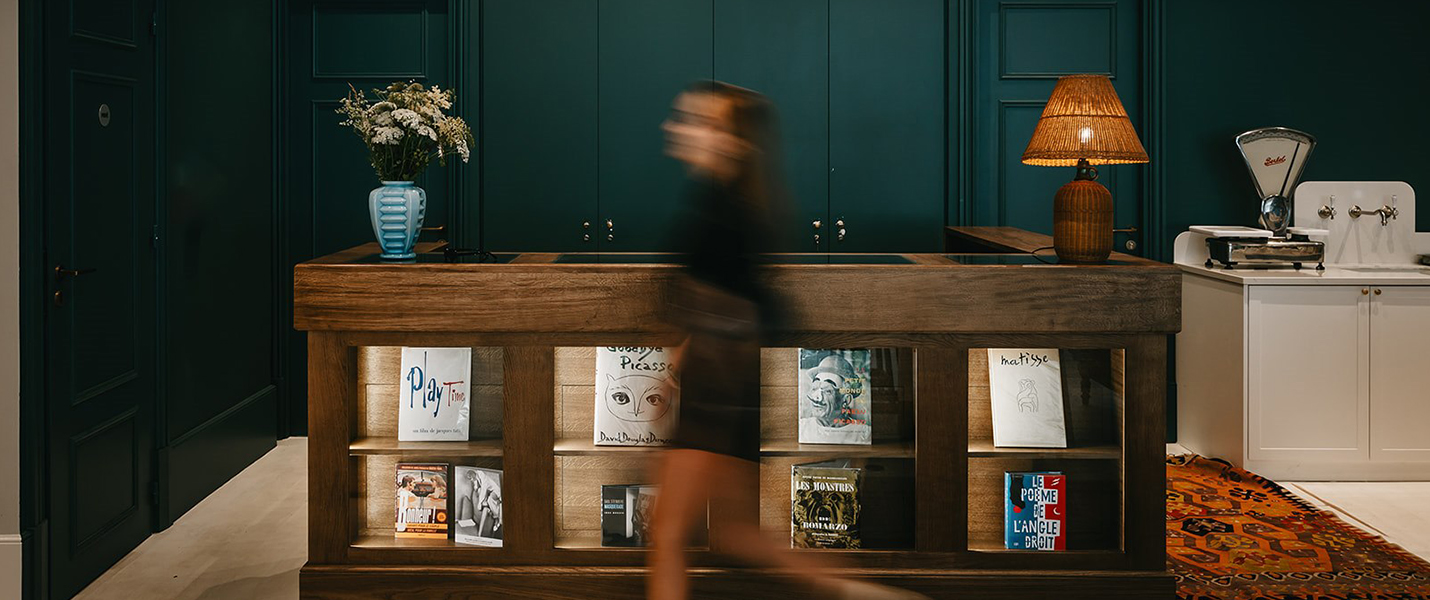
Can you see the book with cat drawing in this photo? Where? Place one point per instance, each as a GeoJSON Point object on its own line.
{"type": "Point", "coordinates": [1026, 389]}
{"type": "Point", "coordinates": [433, 394]}
{"type": "Point", "coordinates": [834, 397]}
{"type": "Point", "coordinates": [637, 396]}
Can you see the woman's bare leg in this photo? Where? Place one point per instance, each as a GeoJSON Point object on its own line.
{"type": "Point", "coordinates": [684, 492]}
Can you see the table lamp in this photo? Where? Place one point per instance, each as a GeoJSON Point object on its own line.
{"type": "Point", "coordinates": [1083, 124]}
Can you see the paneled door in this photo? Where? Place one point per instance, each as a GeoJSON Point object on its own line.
{"type": "Point", "coordinates": [100, 315]}
{"type": "Point", "coordinates": [1021, 49]}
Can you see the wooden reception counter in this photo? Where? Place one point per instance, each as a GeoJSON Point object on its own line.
{"type": "Point", "coordinates": [534, 319]}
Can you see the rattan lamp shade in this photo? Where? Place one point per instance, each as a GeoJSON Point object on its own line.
{"type": "Point", "coordinates": [1084, 120]}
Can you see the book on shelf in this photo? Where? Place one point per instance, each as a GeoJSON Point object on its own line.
{"type": "Point", "coordinates": [637, 397]}
{"type": "Point", "coordinates": [477, 500]}
{"type": "Point", "coordinates": [435, 386]}
{"type": "Point", "coordinates": [626, 512]}
{"type": "Point", "coordinates": [834, 397]}
{"type": "Point", "coordinates": [824, 504]}
{"type": "Point", "coordinates": [1035, 511]}
{"type": "Point", "coordinates": [1026, 391]}
{"type": "Point", "coordinates": [421, 501]}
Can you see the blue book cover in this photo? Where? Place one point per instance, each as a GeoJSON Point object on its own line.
{"type": "Point", "coordinates": [1035, 513]}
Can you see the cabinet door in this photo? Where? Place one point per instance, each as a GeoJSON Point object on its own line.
{"type": "Point", "coordinates": [781, 49]}
{"type": "Point", "coordinates": [1307, 373]}
{"type": "Point", "coordinates": [1399, 377]}
{"type": "Point", "coordinates": [886, 125]}
{"type": "Point", "coordinates": [538, 124]}
{"type": "Point", "coordinates": [649, 50]}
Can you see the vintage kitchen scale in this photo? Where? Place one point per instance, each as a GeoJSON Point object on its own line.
{"type": "Point", "coordinates": [1275, 156]}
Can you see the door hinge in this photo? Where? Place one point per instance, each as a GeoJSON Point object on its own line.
{"type": "Point", "coordinates": [154, 239]}
{"type": "Point", "coordinates": [154, 23]}
{"type": "Point", "coordinates": [154, 493]}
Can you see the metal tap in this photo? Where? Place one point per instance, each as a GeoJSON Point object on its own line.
{"type": "Point", "coordinates": [1386, 212]}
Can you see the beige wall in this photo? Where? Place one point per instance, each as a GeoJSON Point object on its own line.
{"type": "Point", "coordinates": [9, 302]}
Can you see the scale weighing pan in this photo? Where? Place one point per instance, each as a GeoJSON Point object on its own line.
{"type": "Point", "coordinates": [1275, 156]}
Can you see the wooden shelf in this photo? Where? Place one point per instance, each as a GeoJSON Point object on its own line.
{"type": "Point", "coordinates": [373, 540]}
{"type": "Point", "coordinates": [584, 447]}
{"type": "Point", "coordinates": [593, 542]}
{"type": "Point", "coordinates": [389, 446]}
{"type": "Point", "coordinates": [793, 448]}
{"type": "Point", "coordinates": [978, 449]}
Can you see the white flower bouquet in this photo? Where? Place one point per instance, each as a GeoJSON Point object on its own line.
{"type": "Point", "coordinates": [406, 128]}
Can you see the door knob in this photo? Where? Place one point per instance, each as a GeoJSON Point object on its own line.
{"type": "Point", "coordinates": [840, 222]}
{"type": "Point", "coordinates": [816, 223]}
{"type": "Point", "coordinates": [841, 235]}
{"type": "Point", "coordinates": [61, 272]}
{"type": "Point", "coordinates": [1377, 291]}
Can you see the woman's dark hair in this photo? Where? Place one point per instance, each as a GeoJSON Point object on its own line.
{"type": "Point", "coordinates": [753, 119]}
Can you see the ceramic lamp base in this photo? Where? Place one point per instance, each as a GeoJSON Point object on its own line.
{"type": "Point", "coordinates": [1082, 222]}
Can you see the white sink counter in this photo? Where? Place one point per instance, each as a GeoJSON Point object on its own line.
{"type": "Point", "coordinates": [1308, 275]}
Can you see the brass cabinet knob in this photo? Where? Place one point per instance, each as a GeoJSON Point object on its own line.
{"type": "Point", "coordinates": [1365, 291]}
{"type": "Point", "coordinates": [816, 223]}
{"type": "Point", "coordinates": [610, 224]}
{"type": "Point", "coordinates": [585, 224]}
{"type": "Point", "coordinates": [839, 223]}
{"type": "Point", "coordinates": [610, 237]}
{"type": "Point", "coordinates": [1377, 291]}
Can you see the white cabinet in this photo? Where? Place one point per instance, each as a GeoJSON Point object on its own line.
{"type": "Point", "coordinates": [1307, 377]}
{"type": "Point", "coordinates": [1314, 382]}
{"type": "Point", "coordinates": [1400, 373]}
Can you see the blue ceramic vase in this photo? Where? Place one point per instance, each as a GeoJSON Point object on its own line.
{"type": "Point", "coordinates": [397, 209]}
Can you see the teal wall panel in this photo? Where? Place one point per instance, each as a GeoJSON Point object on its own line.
{"type": "Point", "coordinates": [1352, 77]}
{"type": "Point", "coordinates": [782, 49]}
{"type": "Point", "coordinates": [1021, 48]}
{"type": "Point", "coordinates": [886, 124]}
{"type": "Point", "coordinates": [648, 51]}
{"type": "Point", "coordinates": [218, 245]}
{"type": "Point", "coordinates": [1083, 35]}
{"type": "Point", "coordinates": [539, 119]}
{"type": "Point", "coordinates": [332, 44]}
{"type": "Point", "coordinates": [344, 36]}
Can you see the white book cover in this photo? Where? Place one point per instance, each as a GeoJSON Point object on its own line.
{"type": "Point", "coordinates": [637, 397]}
{"type": "Point", "coordinates": [1026, 387]}
{"type": "Point", "coordinates": [433, 394]}
{"type": "Point", "coordinates": [835, 404]}
{"type": "Point", "coordinates": [478, 506]}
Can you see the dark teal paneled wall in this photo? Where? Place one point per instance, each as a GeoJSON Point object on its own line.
{"type": "Point", "coordinates": [219, 275]}
{"type": "Point", "coordinates": [1355, 75]}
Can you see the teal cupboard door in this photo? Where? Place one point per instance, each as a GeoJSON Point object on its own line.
{"type": "Point", "coordinates": [1021, 49]}
{"type": "Point", "coordinates": [886, 125]}
{"type": "Point", "coordinates": [782, 50]}
{"type": "Point", "coordinates": [648, 51]}
{"type": "Point", "coordinates": [539, 121]}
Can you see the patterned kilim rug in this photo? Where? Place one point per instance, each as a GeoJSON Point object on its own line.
{"type": "Point", "coordinates": [1233, 535]}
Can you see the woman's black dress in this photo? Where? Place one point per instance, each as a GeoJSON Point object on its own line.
{"type": "Point", "coordinates": [725, 309]}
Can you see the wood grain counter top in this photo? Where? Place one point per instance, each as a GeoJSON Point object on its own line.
{"type": "Point", "coordinates": [924, 294]}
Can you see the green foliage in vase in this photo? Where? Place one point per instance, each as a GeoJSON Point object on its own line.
{"type": "Point", "coordinates": [405, 128]}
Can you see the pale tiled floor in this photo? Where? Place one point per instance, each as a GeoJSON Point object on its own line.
{"type": "Point", "coordinates": [248, 540]}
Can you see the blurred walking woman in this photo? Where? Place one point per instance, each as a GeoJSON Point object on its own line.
{"type": "Point", "coordinates": [725, 136]}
